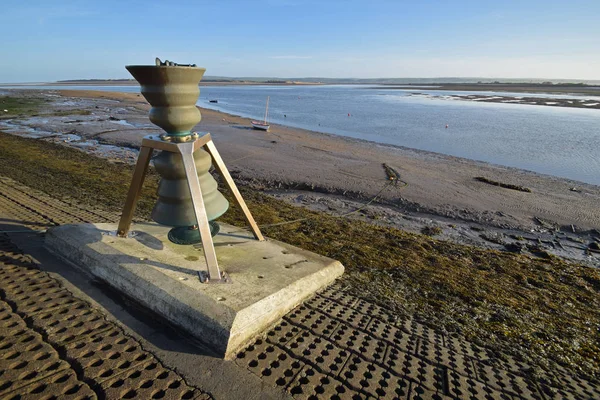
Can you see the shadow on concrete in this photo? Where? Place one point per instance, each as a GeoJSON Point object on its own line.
{"type": "Point", "coordinates": [147, 240]}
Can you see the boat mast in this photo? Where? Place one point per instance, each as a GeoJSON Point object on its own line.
{"type": "Point", "coordinates": [267, 110]}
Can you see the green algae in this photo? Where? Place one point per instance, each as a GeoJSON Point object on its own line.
{"type": "Point", "coordinates": [544, 311]}
{"type": "Point", "coordinates": [19, 106]}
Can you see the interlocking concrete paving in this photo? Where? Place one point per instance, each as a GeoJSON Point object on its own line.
{"type": "Point", "coordinates": [53, 344]}
{"type": "Point", "coordinates": [334, 346]}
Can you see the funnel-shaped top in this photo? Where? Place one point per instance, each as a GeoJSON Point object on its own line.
{"type": "Point", "coordinates": [172, 91]}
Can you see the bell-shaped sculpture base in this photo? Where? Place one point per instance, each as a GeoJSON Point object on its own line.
{"type": "Point", "coordinates": [174, 206]}
{"type": "Point", "coordinates": [191, 234]}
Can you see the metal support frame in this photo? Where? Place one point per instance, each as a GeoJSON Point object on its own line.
{"type": "Point", "coordinates": [186, 149]}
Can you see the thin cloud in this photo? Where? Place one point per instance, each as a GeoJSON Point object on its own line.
{"type": "Point", "coordinates": [290, 57]}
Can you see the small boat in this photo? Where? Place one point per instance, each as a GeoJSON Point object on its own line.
{"type": "Point", "coordinates": [213, 101]}
{"type": "Point", "coordinates": [262, 125]}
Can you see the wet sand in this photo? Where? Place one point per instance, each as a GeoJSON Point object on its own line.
{"type": "Point", "coordinates": [334, 173]}
{"type": "Point", "coordinates": [574, 102]}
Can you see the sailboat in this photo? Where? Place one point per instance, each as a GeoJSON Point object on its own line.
{"type": "Point", "coordinates": [263, 125]}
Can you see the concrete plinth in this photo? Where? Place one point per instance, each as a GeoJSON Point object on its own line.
{"type": "Point", "coordinates": [268, 278]}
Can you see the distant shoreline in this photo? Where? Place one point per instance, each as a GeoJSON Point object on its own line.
{"type": "Point", "coordinates": [134, 83]}
{"type": "Point", "coordinates": [579, 89]}
{"type": "Point", "coordinates": [502, 87]}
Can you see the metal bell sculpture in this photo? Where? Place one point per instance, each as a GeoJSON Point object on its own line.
{"type": "Point", "coordinates": [172, 91]}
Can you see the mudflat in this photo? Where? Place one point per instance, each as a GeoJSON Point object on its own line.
{"type": "Point", "coordinates": [329, 172]}
{"type": "Point", "coordinates": [295, 158]}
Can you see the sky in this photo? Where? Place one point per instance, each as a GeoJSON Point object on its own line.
{"type": "Point", "coordinates": [44, 41]}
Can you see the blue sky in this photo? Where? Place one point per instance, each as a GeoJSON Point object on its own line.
{"type": "Point", "coordinates": [54, 40]}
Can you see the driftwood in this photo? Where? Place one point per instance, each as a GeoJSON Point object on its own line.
{"type": "Point", "coordinates": [504, 185]}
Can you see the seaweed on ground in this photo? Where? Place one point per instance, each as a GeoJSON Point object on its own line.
{"type": "Point", "coordinates": [11, 106]}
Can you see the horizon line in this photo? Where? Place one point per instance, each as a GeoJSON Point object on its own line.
{"type": "Point", "coordinates": [316, 78]}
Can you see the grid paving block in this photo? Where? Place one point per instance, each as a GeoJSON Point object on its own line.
{"type": "Point", "coordinates": [319, 353]}
{"type": "Point", "coordinates": [359, 342]}
{"type": "Point", "coordinates": [404, 341]}
{"type": "Point", "coordinates": [312, 384]}
{"type": "Point", "coordinates": [31, 286]}
{"type": "Point", "coordinates": [365, 307]}
{"type": "Point", "coordinates": [552, 393]}
{"type": "Point", "coordinates": [369, 378]}
{"type": "Point", "coordinates": [27, 218]}
{"type": "Point", "coordinates": [313, 320]}
{"type": "Point", "coordinates": [78, 330]}
{"type": "Point", "coordinates": [149, 380]}
{"type": "Point", "coordinates": [71, 323]}
{"type": "Point", "coordinates": [270, 362]}
{"type": "Point", "coordinates": [27, 194]}
{"type": "Point", "coordinates": [29, 304]}
{"type": "Point", "coordinates": [506, 381]}
{"type": "Point", "coordinates": [276, 367]}
{"type": "Point", "coordinates": [9, 320]}
{"type": "Point", "coordinates": [580, 388]}
{"type": "Point", "coordinates": [420, 393]}
{"type": "Point", "coordinates": [386, 331]}
{"type": "Point", "coordinates": [49, 319]}
{"type": "Point", "coordinates": [460, 345]}
{"type": "Point", "coordinates": [30, 281]}
{"type": "Point", "coordinates": [282, 333]}
{"type": "Point", "coordinates": [12, 257]}
{"type": "Point", "coordinates": [443, 356]}
{"type": "Point", "coordinates": [355, 373]}
{"type": "Point", "coordinates": [14, 274]}
{"type": "Point", "coordinates": [27, 359]}
{"type": "Point", "coordinates": [394, 388]}
{"type": "Point", "coordinates": [507, 362]}
{"type": "Point", "coordinates": [106, 355]}
{"type": "Point", "coordinates": [334, 293]}
{"type": "Point", "coordinates": [56, 320]}
{"type": "Point", "coordinates": [344, 313]}
{"type": "Point", "coordinates": [249, 354]}
{"type": "Point", "coordinates": [318, 302]}
{"type": "Point", "coordinates": [462, 387]}
{"type": "Point", "coordinates": [432, 377]}
{"type": "Point", "coordinates": [19, 348]}
{"type": "Point", "coordinates": [425, 333]}
{"type": "Point", "coordinates": [17, 209]}
{"type": "Point", "coordinates": [25, 298]}
{"type": "Point", "coordinates": [426, 375]}
{"type": "Point", "coordinates": [394, 361]}
{"type": "Point", "coordinates": [4, 306]}
{"type": "Point", "coordinates": [63, 385]}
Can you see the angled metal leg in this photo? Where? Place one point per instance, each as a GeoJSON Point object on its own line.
{"type": "Point", "coordinates": [222, 169]}
{"type": "Point", "coordinates": [187, 151]}
{"type": "Point", "coordinates": [135, 189]}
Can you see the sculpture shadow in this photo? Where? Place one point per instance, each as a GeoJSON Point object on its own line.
{"type": "Point", "coordinates": [146, 240]}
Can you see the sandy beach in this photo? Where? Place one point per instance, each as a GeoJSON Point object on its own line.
{"type": "Point", "coordinates": [337, 174]}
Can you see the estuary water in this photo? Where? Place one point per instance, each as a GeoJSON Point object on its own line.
{"type": "Point", "coordinates": [557, 141]}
